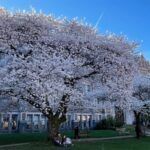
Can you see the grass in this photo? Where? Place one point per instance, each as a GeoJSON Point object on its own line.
{"type": "Point", "coordinates": [21, 138]}
{"type": "Point", "coordinates": [42, 137]}
{"type": "Point", "coordinates": [121, 144]}
{"type": "Point", "coordinates": [96, 133]}
{"type": "Point", "coordinates": [105, 133]}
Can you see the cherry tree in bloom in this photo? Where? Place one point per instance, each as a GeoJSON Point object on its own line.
{"type": "Point", "coordinates": [140, 103]}
{"type": "Point", "coordinates": [44, 59]}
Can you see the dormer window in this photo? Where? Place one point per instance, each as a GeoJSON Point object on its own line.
{"type": "Point", "coordinates": [100, 100]}
{"type": "Point", "coordinates": [88, 88]}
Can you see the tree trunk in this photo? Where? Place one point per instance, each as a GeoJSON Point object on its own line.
{"type": "Point", "coordinates": [138, 124]}
{"type": "Point", "coordinates": [53, 128]}
{"type": "Point", "coordinates": [54, 125]}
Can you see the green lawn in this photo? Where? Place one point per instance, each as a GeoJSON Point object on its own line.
{"type": "Point", "coordinates": [21, 138]}
{"type": "Point", "coordinates": [124, 144]}
{"type": "Point", "coordinates": [42, 137]}
{"type": "Point", "coordinates": [98, 133]}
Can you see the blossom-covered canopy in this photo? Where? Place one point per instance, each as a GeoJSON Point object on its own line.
{"type": "Point", "coordinates": [44, 59]}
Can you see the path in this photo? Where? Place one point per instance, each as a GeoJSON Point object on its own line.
{"type": "Point", "coordinates": [101, 139]}
{"type": "Point", "coordinates": [10, 145]}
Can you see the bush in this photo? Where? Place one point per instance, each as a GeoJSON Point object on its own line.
{"type": "Point", "coordinates": [119, 124]}
{"type": "Point", "coordinates": [101, 124]}
{"type": "Point", "coordinates": [130, 129]}
{"type": "Point", "coordinates": [105, 124]}
{"type": "Point", "coordinates": [109, 123]}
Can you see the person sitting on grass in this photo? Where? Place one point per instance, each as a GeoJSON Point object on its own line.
{"type": "Point", "coordinates": [62, 141]}
{"type": "Point", "coordinates": [66, 141]}
{"type": "Point", "coordinates": [58, 140]}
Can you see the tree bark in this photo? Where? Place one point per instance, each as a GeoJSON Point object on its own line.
{"type": "Point", "coordinates": [53, 126]}
{"type": "Point", "coordinates": [138, 129]}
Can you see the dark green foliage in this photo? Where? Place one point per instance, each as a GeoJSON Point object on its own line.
{"type": "Point", "coordinates": [109, 123]}
{"type": "Point", "coordinates": [105, 124]}
{"type": "Point", "coordinates": [119, 123]}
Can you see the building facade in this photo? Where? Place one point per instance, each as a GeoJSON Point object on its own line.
{"type": "Point", "coordinates": [36, 122]}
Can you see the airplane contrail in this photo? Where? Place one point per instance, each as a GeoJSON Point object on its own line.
{"type": "Point", "coordinates": [99, 19]}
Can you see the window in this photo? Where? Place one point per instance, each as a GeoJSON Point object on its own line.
{"type": "Point", "coordinates": [84, 118]}
{"type": "Point", "coordinates": [43, 122]}
{"type": "Point", "coordinates": [100, 117]}
{"type": "Point", "coordinates": [5, 123]}
{"type": "Point", "coordinates": [36, 119]}
{"type": "Point", "coordinates": [87, 88]}
{"type": "Point", "coordinates": [23, 116]}
{"type": "Point", "coordinates": [100, 100]}
{"type": "Point", "coordinates": [79, 117]}
{"type": "Point", "coordinates": [69, 120]}
{"type": "Point", "coordinates": [89, 117]}
{"type": "Point", "coordinates": [103, 111]}
{"type": "Point", "coordinates": [29, 121]}
{"type": "Point", "coordinates": [14, 121]}
{"type": "Point", "coordinates": [68, 117]}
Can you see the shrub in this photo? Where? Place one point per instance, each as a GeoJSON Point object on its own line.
{"type": "Point", "coordinates": [119, 123]}
{"type": "Point", "coordinates": [109, 123]}
{"type": "Point", "coordinates": [105, 124]}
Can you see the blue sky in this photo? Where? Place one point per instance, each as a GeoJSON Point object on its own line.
{"type": "Point", "coordinates": [129, 17]}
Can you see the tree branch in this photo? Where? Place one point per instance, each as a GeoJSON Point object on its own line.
{"type": "Point", "coordinates": [72, 81]}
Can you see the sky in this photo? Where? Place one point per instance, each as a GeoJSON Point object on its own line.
{"type": "Point", "coordinates": [128, 17]}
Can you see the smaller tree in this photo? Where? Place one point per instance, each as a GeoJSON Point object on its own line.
{"type": "Point", "coordinates": [141, 100]}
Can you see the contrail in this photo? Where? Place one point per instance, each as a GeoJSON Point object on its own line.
{"type": "Point", "coordinates": [99, 19]}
